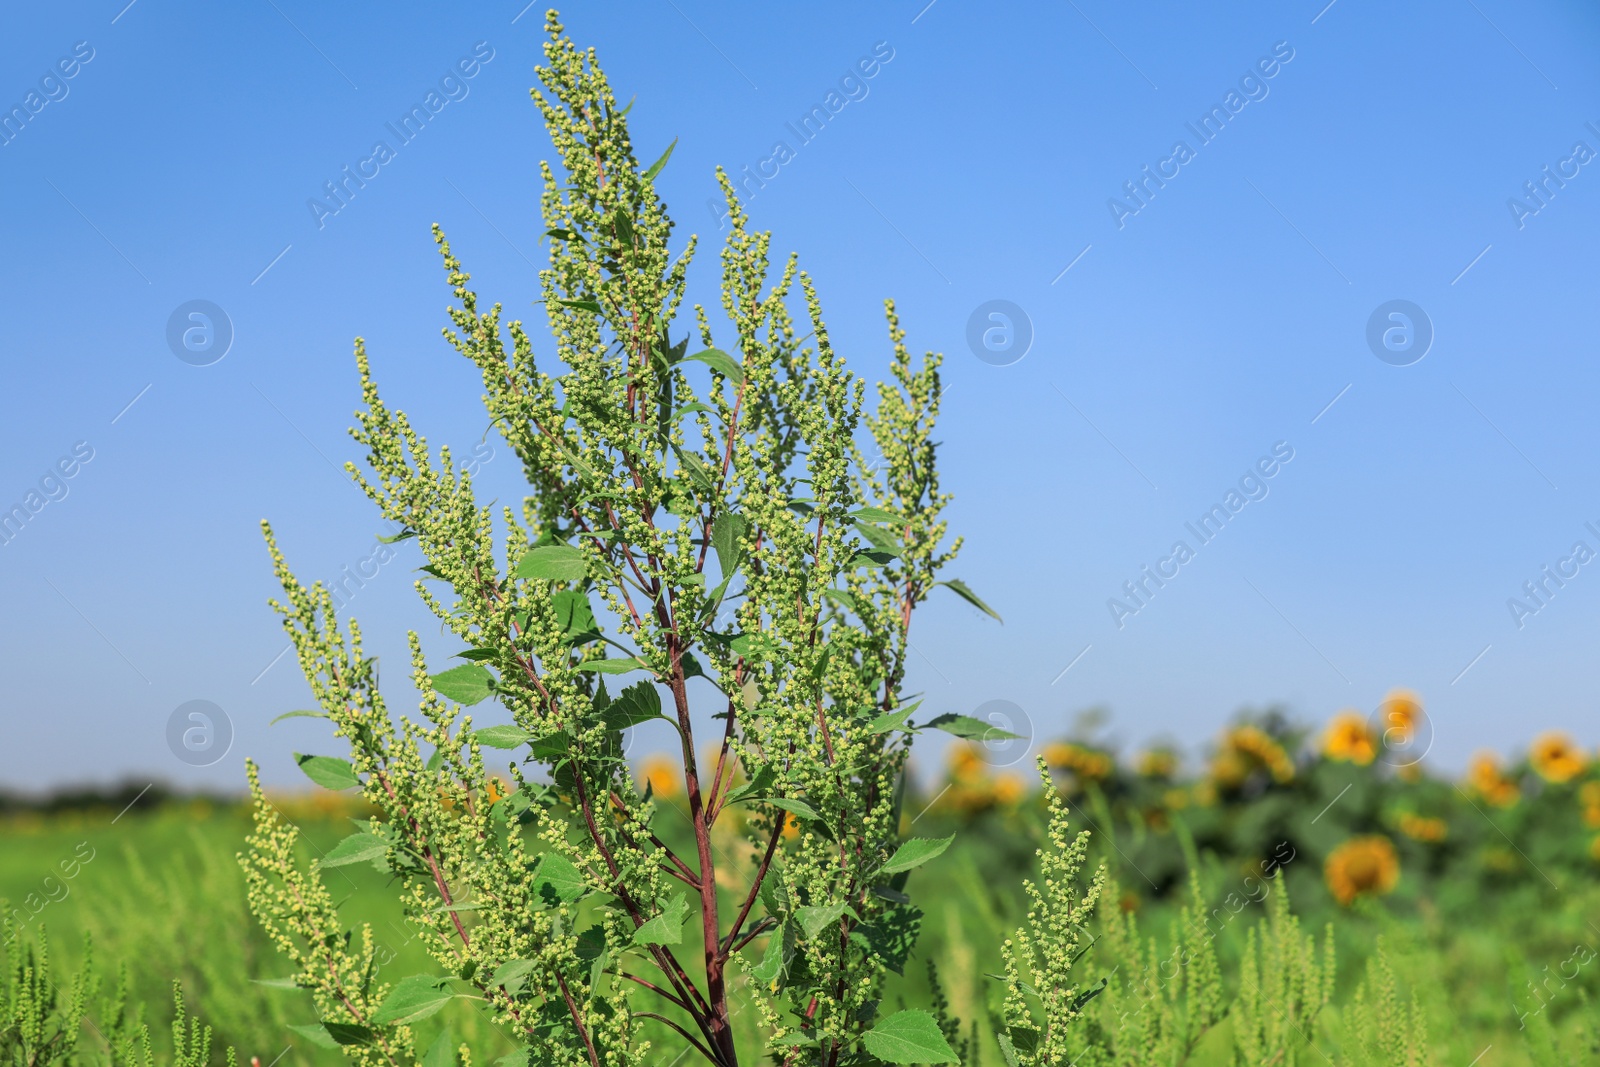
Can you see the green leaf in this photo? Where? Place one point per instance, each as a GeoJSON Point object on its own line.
{"type": "Point", "coordinates": [961, 590]}
{"type": "Point", "coordinates": [757, 787]}
{"type": "Point", "coordinates": [581, 305]}
{"type": "Point", "coordinates": [501, 736]}
{"type": "Point", "coordinates": [512, 974]}
{"type": "Point", "coordinates": [575, 616]}
{"type": "Point", "coordinates": [881, 540]}
{"type": "Point", "coordinates": [413, 998]}
{"type": "Point", "coordinates": [695, 468]}
{"type": "Point", "coordinates": [726, 534]}
{"type": "Point", "coordinates": [909, 1037]}
{"type": "Point", "coordinates": [973, 729]}
{"type": "Point", "coordinates": [467, 684]}
{"type": "Point", "coordinates": [796, 807]}
{"type": "Point", "coordinates": [476, 655]}
{"type": "Point", "coordinates": [350, 1034]}
{"type": "Point", "coordinates": [555, 563]}
{"type": "Point", "coordinates": [330, 772]}
{"type": "Point", "coordinates": [558, 881]}
{"type": "Point", "coordinates": [317, 1034]}
{"type": "Point", "coordinates": [613, 666]}
{"type": "Point", "coordinates": [277, 983]}
{"type": "Point", "coordinates": [566, 235]}
{"type": "Point", "coordinates": [720, 362]}
{"type": "Point", "coordinates": [638, 703]}
{"type": "Point", "coordinates": [357, 848]}
{"type": "Point", "coordinates": [622, 226]}
{"type": "Point", "coordinates": [666, 928]}
{"type": "Point", "coordinates": [517, 1057]}
{"type": "Point", "coordinates": [771, 964]}
{"type": "Point", "coordinates": [442, 1053]}
{"type": "Point", "coordinates": [875, 515]}
{"type": "Point", "coordinates": [915, 852]}
{"type": "Point", "coordinates": [655, 168]}
{"type": "Point", "coordinates": [300, 715]}
{"type": "Point", "coordinates": [401, 536]}
{"type": "Point", "coordinates": [893, 720]}
{"type": "Point", "coordinates": [818, 917]}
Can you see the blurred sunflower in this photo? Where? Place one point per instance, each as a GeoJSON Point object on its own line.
{"type": "Point", "coordinates": [1401, 715]}
{"type": "Point", "coordinates": [1556, 757]}
{"type": "Point", "coordinates": [1589, 797]}
{"type": "Point", "coordinates": [1485, 776]}
{"type": "Point", "coordinates": [1157, 763]}
{"type": "Point", "coordinates": [1348, 740]}
{"type": "Point", "coordinates": [1362, 866]}
{"type": "Point", "coordinates": [1423, 827]}
{"type": "Point", "coordinates": [1246, 749]}
{"type": "Point", "coordinates": [663, 775]}
{"type": "Point", "coordinates": [1086, 763]}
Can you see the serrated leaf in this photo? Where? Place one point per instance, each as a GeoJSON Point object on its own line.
{"type": "Point", "coordinates": [655, 168]}
{"type": "Point", "coordinates": [720, 362]}
{"type": "Point", "coordinates": [442, 1053]}
{"type": "Point", "coordinates": [726, 534]}
{"type": "Point", "coordinates": [818, 917]}
{"type": "Point", "coordinates": [512, 974]}
{"type": "Point", "coordinates": [771, 964]}
{"type": "Point", "coordinates": [581, 305]}
{"type": "Point", "coordinates": [299, 715]}
{"type": "Point", "coordinates": [909, 1037]}
{"type": "Point", "coordinates": [666, 928]}
{"type": "Point", "coordinates": [553, 563]}
{"type": "Point", "coordinates": [796, 807]}
{"type": "Point", "coordinates": [757, 787]}
{"type": "Point", "coordinates": [357, 848]}
{"type": "Point", "coordinates": [351, 1034]}
{"type": "Point", "coordinates": [960, 589]}
{"type": "Point", "coordinates": [970, 728]}
{"type": "Point", "coordinates": [882, 541]}
{"type": "Point", "coordinates": [317, 1034]}
{"type": "Point", "coordinates": [612, 666]}
{"type": "Point", "coordinates": [638, 703]}
{"type": "Point", "coordinates": [557, 881]}
{"type": "Point", "coordinates": [517, 1057]}
{"type": "Point", "coordinates": [893, 720]}
{"type": "Point", "coordinates": [502, 736]}
{"type": "Point", "coordinates": [575, 616]}
{"type": "Point", "coordinates": [467, 684]}
{"type": "Point", "coordinates": [915, 852]}
{"type": "Point", "coordinates": [330, 772]}
{"type": "Point", "coordinates": [413, 998]}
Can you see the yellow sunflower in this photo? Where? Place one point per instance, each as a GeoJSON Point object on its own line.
{"type": "Point", "coordinates": [1158, 763]}
{"type": "Point", "coordinates": [1486, 777]}
{"type": "Point", "coordinates": [1086, 763]}
{"type": "Point", "coordinates": [1556, 757]}
{"type": "Point", "coordinates": [1401, 715]}
{"type": "Point", "coordinates": [1362, 866]}
{"type": "Point", "coordinates": [1423, 827]}
{"type": "Point", "coordinates": [663, 775]}
{"type": "Point", "coordinates": [1246, 749]}
{"type": "Point", "coordinates": [1348, 740]}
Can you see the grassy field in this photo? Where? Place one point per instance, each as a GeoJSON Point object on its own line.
{"type": "Point", "coordinates": [1488, 919]}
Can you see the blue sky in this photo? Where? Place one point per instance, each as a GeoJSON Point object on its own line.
{"type": "Point", "coordinates": [1173, 346]}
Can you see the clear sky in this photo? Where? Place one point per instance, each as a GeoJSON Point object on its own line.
{"type": "Point", "coordinates": [1334, 159]}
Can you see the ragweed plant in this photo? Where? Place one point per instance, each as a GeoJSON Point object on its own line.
{"type": "Point", "coordinates": [1042, 999]}
{"type": "Point", "coordinates": [700, 531]}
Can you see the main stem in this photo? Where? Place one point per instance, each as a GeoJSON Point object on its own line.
{"type": "Point", "coordinates": [710, 925]}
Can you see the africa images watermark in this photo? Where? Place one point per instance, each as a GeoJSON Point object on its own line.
{"type": "Point", "coordinates": [53, 487]}
{"type": "Point", "coordinates": [452, 88]}
{"type": "Point", "coordinates": [53, 88]}
{"type": "Point", "coordinates": [1540, 590]}
{"type": "Point", "coordinates": [852, 87]}
{"type": "Point", "coordinates": [1538, 192]}
{"type": "Point", "coordinates": [1252, 84]}
{"type": "Point", "coordinates": [1252, 487]}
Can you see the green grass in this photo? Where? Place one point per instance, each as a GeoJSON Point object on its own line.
{"type": "Point", "coordinates": [160, 892]}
